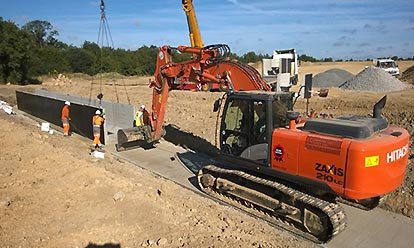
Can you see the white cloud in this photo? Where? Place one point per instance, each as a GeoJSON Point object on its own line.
{"type": "Point", "coordinates": [245, 6]}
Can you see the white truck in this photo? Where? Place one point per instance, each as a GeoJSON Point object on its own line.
{"type": "Point", "coordinates": [388, 65]}
{"type": "Point", "coordinates": [281, 71]}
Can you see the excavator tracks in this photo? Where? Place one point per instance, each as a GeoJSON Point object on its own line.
{"type": "Point", "coordinates": [301, 214]}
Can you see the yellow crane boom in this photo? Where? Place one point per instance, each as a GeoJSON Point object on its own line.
{"type": "Point", "coordinates": [193, 29]}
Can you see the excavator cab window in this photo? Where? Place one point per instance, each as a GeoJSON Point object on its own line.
{"type": "Point", "coordinates": [248, 123]}
{"type": "Point", "coordinates": [235, 130]}
{"type": "Point", "coordinates": [279, 109]}
{"type": "Point", "coordinates": [259, 122]}
{"type": "Point", "coordinates": [244, 129]}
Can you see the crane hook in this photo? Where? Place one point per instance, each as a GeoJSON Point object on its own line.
{"type": "Point", "coordinates": [102, 6]}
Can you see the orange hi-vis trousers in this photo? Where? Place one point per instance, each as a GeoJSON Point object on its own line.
{"type": "Point", "coordinates": [97, 135]}
{"type": "Point", "coordinates": [66, 127]}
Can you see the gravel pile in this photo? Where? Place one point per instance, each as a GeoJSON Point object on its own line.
{"type": "Point", "coordinates": [373, 79]}
{"type": "Point", "coordinates": [331, 78]}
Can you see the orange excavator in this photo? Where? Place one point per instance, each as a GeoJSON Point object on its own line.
{"type": "Point", "coordinates": [287, 171]}
{"type": "Point", "coordinates": [296, 173]}
{"type": "Point", "coordinates": [291, 173]}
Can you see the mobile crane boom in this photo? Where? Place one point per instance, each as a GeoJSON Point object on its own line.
{"type": "Point", "coordinates": [193, 29]}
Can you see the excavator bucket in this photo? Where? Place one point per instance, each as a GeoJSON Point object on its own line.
{"type": "Point", "coordinates": [133, 137]}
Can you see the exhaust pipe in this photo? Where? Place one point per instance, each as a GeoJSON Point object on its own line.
{"type": "Point", "coordinates": [377, 112]}
{"type": "Point", "coordinates": [292, 117]}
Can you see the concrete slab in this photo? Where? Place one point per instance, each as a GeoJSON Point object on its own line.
{"type": "Point", "coordinates": [375, 228]}
{"type": "Point", "coordinates": [166, 160]}
{"type": "Point", "coordinates": [366, 229]}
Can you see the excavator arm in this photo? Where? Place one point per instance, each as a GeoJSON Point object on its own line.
{"type": "Point", "coordinates": [160, 91]}
{"type": "Point", "coordinates": [210, 66]}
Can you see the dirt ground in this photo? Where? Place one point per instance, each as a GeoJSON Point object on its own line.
{"type": "Point", "coordinates": [408, 75]}
{"type": "Point", "coordinates": [54, 194]}
{"type": "Point", "coordinates": [75, 192]}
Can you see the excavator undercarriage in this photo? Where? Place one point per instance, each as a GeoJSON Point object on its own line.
{"type": "Point", "coordinates": [315, 219]}
{"type": "Point", "coordinates": [304, 215]}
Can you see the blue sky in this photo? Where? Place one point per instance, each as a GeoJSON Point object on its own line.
{"type": "Point", "coordinates": [321, 28]}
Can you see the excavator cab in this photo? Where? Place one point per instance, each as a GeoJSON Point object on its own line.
{"type": "Point", "coordinates": [248, 120]}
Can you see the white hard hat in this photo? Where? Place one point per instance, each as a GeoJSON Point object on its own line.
{"type": "Point", "coordinates": [67, 103]}
{"type": "Point", "coordinates": [142, 106]}
{"type": "Point", "coordinates": [98, 112]}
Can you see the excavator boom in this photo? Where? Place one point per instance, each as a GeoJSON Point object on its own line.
{"type": "Point", "coordinates": [210, 66]}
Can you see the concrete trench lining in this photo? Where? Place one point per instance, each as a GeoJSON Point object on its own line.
{"type": "Point", "coordinates": [117, 115]}
{"type": "Point", "coordinates": [47, 105]}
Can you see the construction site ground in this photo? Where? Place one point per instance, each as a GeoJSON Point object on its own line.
{"type": "Point", "coordinates": [54, 194]}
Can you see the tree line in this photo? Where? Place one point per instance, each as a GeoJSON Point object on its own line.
{"type": "Point", "coordinates": [34, 49]}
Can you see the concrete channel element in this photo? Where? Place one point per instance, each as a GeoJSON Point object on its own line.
{"type": "Point", "coordinates": [366, 229]}
{"type": "Point", "coordinates": [50, 109]}
{"type": "Point", "coordinates": [47, 105]}
{"type": "Point", "coordinates": [117, 115]}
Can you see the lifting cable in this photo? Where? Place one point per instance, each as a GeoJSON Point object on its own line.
{"type": "Point", "coordinates": [104, 34]}
{"type": "Point", "coordinates": [105, 40]}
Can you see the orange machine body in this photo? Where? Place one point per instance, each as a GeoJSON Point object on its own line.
{"type": "Point", "coordinates": [353, 168]}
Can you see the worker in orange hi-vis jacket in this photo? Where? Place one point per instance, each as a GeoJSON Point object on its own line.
{"type": "Point", "coordinates": [97, 121]}
{"type": "Point", "coordinates": [66, 118]}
